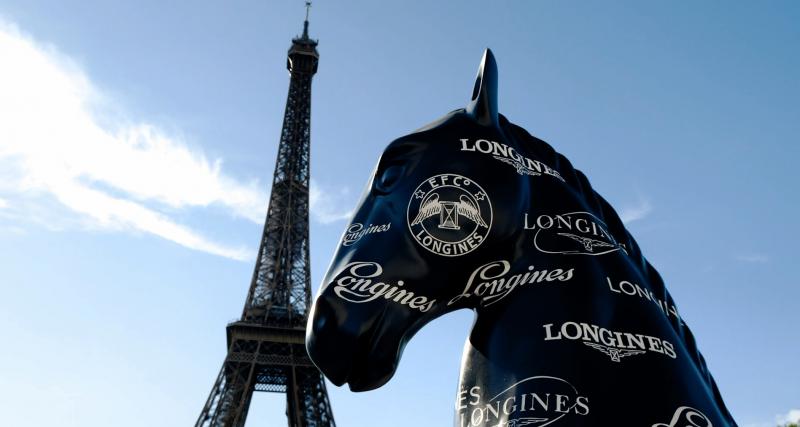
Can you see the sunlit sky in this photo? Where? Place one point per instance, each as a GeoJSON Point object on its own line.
{"type": "Point", "coordinates": [138, 140]}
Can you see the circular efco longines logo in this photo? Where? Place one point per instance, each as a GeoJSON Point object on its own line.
{"type": "Point", "coordinates": [449, 215]}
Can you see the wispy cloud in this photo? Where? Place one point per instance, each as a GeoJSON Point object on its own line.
{"type": "Point", "coordinates": [56, 142]}
{"type": "Point", "coordinates": [11, 229]}
{"type": "Point", "coordinates": [753, 258]}
{"type": "Point", "coordinates": [640, 210]}
{"type": "Point", "coordinates": [793, 416]}
{"type": "Point", "coordinates": [327, 205]}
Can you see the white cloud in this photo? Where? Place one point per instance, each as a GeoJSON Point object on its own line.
{"type": "Point", "coordinates": [112, 212]}
{"type": "Point", "coordinates": [636, 212]}
{"type": "Point", "coordinates": [55, 142]}
{"type": "Point", "coordinates": [11, 229]}
{"type": "Point", "coordinates": [326, 205]}
{"type": "Point", "coordinates": [753, 258]}
{"type": "Point", "coordinates": [793, 416]}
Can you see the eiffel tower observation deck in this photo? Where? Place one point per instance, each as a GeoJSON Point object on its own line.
{"type": "Point", "coordinates": [266, 346]}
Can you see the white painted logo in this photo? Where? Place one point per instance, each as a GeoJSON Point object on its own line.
{"type": "Point", "coordinates": [632, 289]}
{"type": "Point", "coordinates": [535, 401]}
{"type": "Point", "coordinates": [360, 283]}
{"type": "Point", "coordinates": [509, 156]}
{"type": "Point", "coordinates": [686, 416]}
{"type": "Point", "coordinates": [613, 344]}
{"type": "Point", "coordinates": [356, 231]}
{"type": "Point", "coordinates": [492, 282]}
{"type": "Point", "coordinates": [572, 233]}
{"type": "Point", "coordinates": [449, 215]}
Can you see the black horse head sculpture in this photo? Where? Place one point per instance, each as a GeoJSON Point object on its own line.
{"type": "Point", "coordinates": [572, 323]}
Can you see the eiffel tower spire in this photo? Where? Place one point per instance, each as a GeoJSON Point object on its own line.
{"type": "Point", "coordinates": [266, 347]}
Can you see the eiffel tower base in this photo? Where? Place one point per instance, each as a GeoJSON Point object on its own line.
{"type": "Point", "coordinates": [273, 359]}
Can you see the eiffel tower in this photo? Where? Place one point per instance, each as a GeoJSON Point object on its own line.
{"type": "Point", "coordinates": [266, 347]}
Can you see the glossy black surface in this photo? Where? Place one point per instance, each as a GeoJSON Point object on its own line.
{"type": "Point", "coordinates": [573, 326]}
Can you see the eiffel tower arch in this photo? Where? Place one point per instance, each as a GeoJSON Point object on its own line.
{"type": "Point", "coordinates": [266, 346]}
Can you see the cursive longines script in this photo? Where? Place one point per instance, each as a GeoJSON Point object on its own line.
{"type": "Point", "coordinates": [361, 283]}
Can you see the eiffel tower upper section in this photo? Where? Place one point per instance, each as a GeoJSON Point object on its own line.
{"type": "Point", "coordinates": [266, 347]}
{"type": "Point", "coordinates": [280, 290]}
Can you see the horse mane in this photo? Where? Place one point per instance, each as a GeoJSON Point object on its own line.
{"type": "Point", "coordinates": [577, 180]}
{"type": "Point", "coordinates": [599, 207]}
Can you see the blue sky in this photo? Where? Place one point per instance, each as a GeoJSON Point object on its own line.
{"type": "Point", "coordinates": [138, 139]}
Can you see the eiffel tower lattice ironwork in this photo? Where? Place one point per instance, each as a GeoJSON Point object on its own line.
{"type": "Point", "coordinates": [266, 347]}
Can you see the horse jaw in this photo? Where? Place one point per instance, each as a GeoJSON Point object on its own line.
{"type": "Point", "coordinates": [360, 354]}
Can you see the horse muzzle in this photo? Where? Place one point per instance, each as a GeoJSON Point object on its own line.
{"type": "Point", "coordinates": [348, 349]}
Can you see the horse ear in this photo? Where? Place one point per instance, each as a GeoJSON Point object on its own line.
{"type": "Point", "coordinates": [483, 105]}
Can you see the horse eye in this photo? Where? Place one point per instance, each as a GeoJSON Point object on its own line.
{"type": "Point", "coordinates": [389, 177]}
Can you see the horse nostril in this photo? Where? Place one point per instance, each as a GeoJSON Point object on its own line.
{"type": "Point", "coordinates": [319, 323]}
{"type": "Point", "coordinates": [324, 316]}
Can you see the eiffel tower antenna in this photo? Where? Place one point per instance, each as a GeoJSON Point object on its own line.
{"type": "Point", "coordinates": [305, 23]}
{"type": "Point", "coordinates": [266, 346]}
